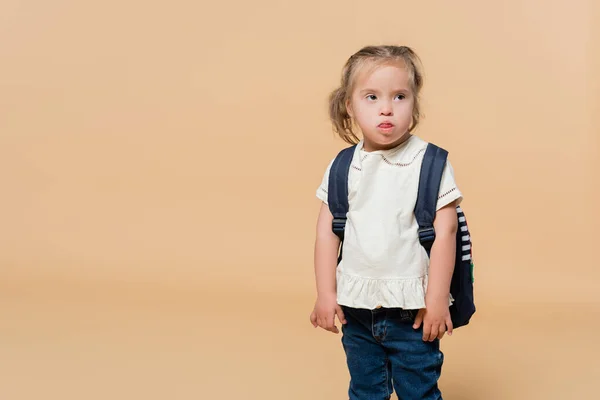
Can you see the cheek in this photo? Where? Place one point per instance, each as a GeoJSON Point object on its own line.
{"type": "Point", "coordinates": [365, 118]}
{"type": "Point", "coordinates": [404, 110]}
{"type": "Point", "coordinates": [367, 108]}
{"type": "Point", "coordinates": [361, 112]}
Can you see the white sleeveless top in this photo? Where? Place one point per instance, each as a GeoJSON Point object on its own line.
{"type": "Point", "coordinates": [383, 264]}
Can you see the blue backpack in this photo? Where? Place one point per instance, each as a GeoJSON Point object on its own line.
{"type": "Point", "coordinates": [434, 162]}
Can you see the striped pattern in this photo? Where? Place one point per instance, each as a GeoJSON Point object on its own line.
{"type": "Point", "coordinates": [465, 235]}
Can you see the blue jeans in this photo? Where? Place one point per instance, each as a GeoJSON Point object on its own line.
{"type": "Point", "coordinates": [384, 353]}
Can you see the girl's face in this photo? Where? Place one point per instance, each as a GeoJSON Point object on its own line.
{"type": "Point", "coordinates": [381, 105]}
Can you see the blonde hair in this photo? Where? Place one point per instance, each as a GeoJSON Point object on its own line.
{"type": "Point", "coordinates": [373, 55]}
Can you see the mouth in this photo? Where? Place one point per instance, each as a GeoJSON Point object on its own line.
{"type": "Point", "coordinates": [385, 127]}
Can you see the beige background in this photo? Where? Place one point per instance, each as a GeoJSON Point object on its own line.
{"type": "Point", "coordinates": [158, 165]}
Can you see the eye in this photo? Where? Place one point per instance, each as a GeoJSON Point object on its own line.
{"type": "Point", "coordinates": [400, 97]}
{"type": "Point", "coordinates": [371, 97]}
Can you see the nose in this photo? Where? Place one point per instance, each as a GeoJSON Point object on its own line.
{"type": "Point", "coordinates": [386, 109]}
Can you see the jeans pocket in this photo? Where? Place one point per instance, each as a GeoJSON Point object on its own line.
{"type": "Point", "coordinates": [413, 314]}
{"type": "Point", "coordinates": [408, 315]}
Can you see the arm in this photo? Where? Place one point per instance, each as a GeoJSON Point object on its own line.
{"type": "Point", "coordinates": [436, 316]}
{"type": "Point", "coordinates": [326, 253]}
{"type": "Point", "coordinates": [443, 254]}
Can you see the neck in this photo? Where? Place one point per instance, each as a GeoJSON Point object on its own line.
{"type": "Point", "coordinates": [369, 146]}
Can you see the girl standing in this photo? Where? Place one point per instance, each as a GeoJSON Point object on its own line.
{"type": "Point", "coordinates": [390, 297]}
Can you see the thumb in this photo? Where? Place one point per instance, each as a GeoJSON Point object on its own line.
{"type": "Point", "coordinates": [340, 315]}
{"type": "Point", "coordinates": [418, 320]}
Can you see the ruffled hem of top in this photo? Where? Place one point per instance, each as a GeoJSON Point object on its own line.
{"type": "Point", "coordinates": [359, 292]}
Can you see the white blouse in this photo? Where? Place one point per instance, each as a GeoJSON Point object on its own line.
{"type": "Point", "coordinates": [383, 264]}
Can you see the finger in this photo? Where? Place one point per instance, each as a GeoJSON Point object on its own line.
{"type": "Point", "coordinates": [450, 326]}
{"type": "Point", "coordinates": [441, 331]}
{"type": "Point", "coordinates": [333, 326]}
{"type": "Point", "coordinates": [320, 322]}
{"type": "Point", "coordinates": [313, 319]}
{"type": "Point", "coordinates": [331, 320]}
{"type": "Point", "coordinates": [426, 331]}
{"type": "Point", "coordinates": [340, 315]}
{"type": "Point", "coordinates": [433, 332]}
{"type": "Point", "coordinates": [330, 324]}
{"type": "Point", "coordinates": [323, 322]}
{"type": "Point", "coordinates": [418, 320]}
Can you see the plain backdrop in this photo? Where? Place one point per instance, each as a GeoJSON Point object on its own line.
{"type": "Point", "coordinates": [158, 168]}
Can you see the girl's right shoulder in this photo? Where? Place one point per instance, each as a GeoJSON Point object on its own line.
{"type": "Point", "coordinates": [353, 149]}
{"type": "Point", "coordinates": [323, 187]}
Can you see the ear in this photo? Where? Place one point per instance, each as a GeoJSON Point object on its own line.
{"type": "Point", "coordinates": [349, 108]}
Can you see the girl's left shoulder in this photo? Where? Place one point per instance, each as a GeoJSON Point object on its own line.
{"type": "Point", "coordinates": [417, 142]}
{"type": "Point", "coordinates": [420, 145]}
{"type": "Point", "coordinates": [416, 147]}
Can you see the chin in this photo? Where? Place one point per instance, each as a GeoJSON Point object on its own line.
{"type": "Point", "coordinates": [392, 139]}
{"type": "Point", "coordinates": [381, 139]}
{"type": "Point", "coordinates": [388, 139]}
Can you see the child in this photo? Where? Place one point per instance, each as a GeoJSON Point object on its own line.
{"type": "Point", "coordinates": [390, 297]}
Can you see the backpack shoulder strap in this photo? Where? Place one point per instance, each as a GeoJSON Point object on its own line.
{"type": "Point", "coordinates": [337, 195]}
{"type": "Point", "coordinates": [432, 168]}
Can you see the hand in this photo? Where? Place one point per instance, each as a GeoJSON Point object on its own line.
{"type": "Point", "coordinates": [436, 320]}
{"type": "Point", "coordinates": [323, 315]}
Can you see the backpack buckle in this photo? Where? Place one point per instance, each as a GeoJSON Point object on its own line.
{"type": "Point", "coordinates": [426, 235]}
{"type": "Point", "coordinates": [339, 226]}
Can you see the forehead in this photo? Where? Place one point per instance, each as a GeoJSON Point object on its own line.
{"type": "Point", "coordinates": [382, 75]}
